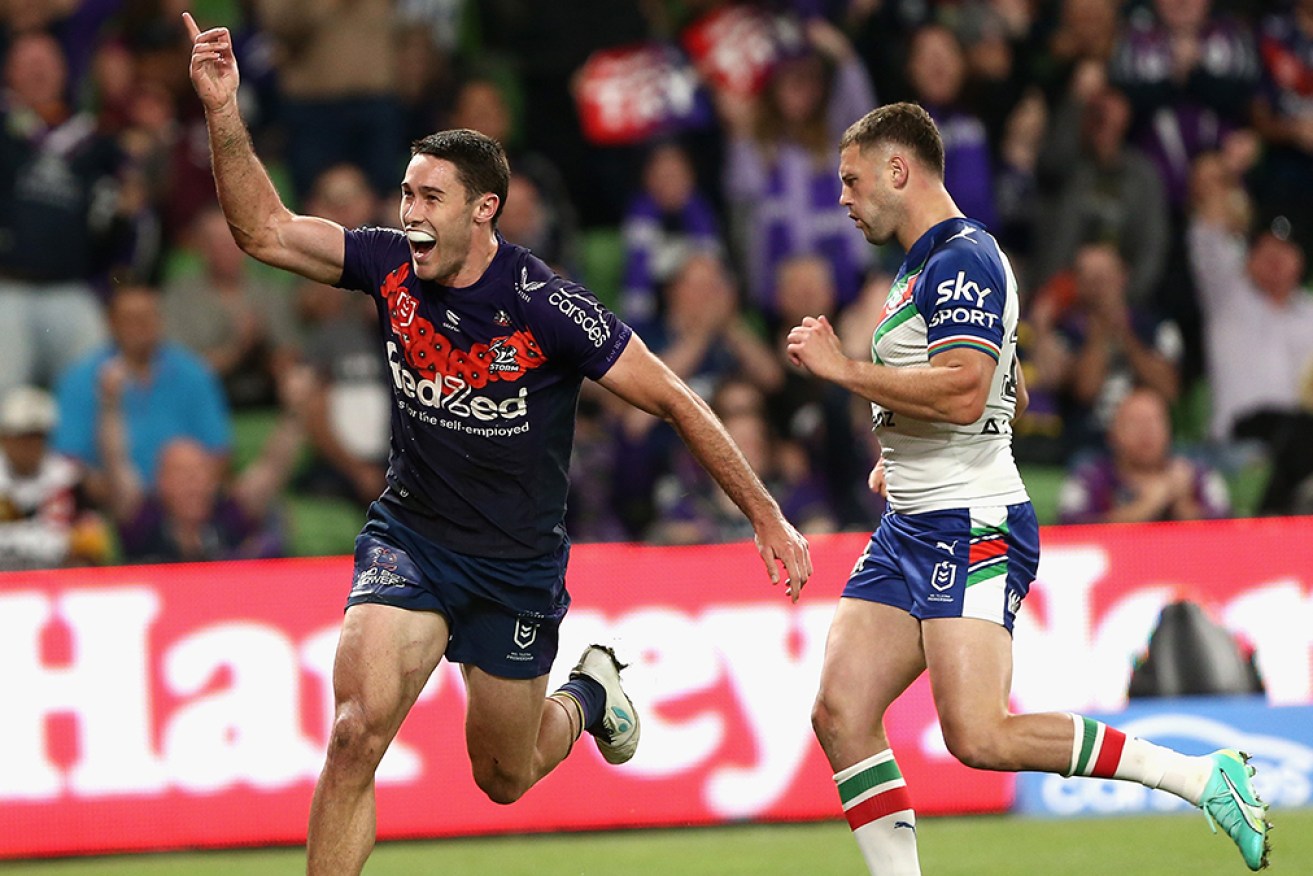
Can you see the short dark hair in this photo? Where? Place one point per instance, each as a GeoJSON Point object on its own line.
{"type": "Point", "coordinates": [481, 164]}
{"type": "Point", "coordinates": [907, 124]}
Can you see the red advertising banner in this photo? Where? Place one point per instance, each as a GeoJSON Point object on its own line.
{"type": "Point", "coordinates": [187, 706]}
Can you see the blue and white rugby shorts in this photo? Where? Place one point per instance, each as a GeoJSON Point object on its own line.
{"type": "Point", "coordinates": [963, 562]}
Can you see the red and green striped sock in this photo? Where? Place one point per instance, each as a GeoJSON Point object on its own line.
{"type": "Point", "coordinates": [1106, 753]}
{"type": "Point", "coordinates": [1096, 750]}
{"type": "Point", "coordinates": [879, 811]}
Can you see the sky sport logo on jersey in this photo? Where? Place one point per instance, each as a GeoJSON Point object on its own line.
{"type": "Point", "coordinates": [962, 289]}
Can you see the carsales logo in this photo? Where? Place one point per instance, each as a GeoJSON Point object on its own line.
{"type": "Point", "coordinates": [584, 312]}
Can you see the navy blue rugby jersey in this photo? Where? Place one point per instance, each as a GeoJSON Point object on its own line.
{"type": "Point", "coordinates": [485, 381]}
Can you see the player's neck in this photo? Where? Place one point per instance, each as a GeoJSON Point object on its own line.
{"type": "Point", "coordinates": [483, 249]}
{"type": "Point", "coordinates": [924, 211]}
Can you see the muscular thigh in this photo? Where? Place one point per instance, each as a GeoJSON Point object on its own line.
{"type": "Point", "coordinates": [503, 716]}
{"type": "Point", "coordinates": [872, 654]}
{"type": "Point", "coordinates": [970, 666]}
{"type": "Point", "coordinates": [384, 657]}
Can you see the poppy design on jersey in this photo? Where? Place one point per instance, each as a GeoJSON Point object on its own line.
{"type": "Point", "coordinates": [431, 353]}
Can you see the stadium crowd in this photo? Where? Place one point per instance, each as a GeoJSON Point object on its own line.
{"type": "Point", "coordinates": [1146, 165]}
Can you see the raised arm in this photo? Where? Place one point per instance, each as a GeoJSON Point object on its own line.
{"type": "Point", "coordinates": [262, 226]}
{"type": "Point", "coordinates": [126, 490]}
{"type": "Point", "coordinates": [644, 381]}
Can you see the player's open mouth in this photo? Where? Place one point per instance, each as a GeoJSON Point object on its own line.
{"type": "Point", "coordinates": [421, 243]}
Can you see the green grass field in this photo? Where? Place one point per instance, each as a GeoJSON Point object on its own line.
{"type": "Point", "coordinates": [1163, 845]}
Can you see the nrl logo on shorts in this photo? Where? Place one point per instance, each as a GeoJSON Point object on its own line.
{"type": "Point", "coordinates": [525, 633]}
{"type": "Point", "coordinates": [943, 575]}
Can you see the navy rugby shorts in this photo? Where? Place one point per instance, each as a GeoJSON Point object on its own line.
{"type": "Point", "coordinates": [503, 614]}
{"type": "Point", "coordinates": [964, 562]}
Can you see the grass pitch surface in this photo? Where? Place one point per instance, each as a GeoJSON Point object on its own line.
{"type": "Point", "coordinates": [1163, 845]}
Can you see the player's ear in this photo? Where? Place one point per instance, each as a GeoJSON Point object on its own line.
{"type": "Point", "coordinates": [486, 208]}
{"type": "Point", "coordinates": [898, 171]}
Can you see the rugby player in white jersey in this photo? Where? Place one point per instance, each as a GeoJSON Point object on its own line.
{"type": "Point", "coordinates": [943, 576]}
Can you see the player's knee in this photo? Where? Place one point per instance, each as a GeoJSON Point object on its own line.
{"type": "Point", "coordinates": [353, 743]}
{"type": "Point", "coordinates": [831, 722]}
{"type": "Point", "coordinates": [500, 785]}
{"type": "Point", "coordinates": [975, 747]}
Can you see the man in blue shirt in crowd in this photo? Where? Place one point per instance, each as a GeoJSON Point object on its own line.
{"type": "Point", "coordinates": [168, 392]}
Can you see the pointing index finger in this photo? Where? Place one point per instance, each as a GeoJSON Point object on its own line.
{"type": "Point", "coordinates": [193, 30]}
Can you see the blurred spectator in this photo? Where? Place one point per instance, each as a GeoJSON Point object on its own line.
{"type": "Point", "coordinates": [189, 514]}
{"type": "Point", "coordinates": [426, 42]}
{"type": "Point", "coordinates": [343, 193]}
{"type": "Point", "coordinates": [481, 105]}
{"type": "Point", "coordinates": [166, 111]}
{"type": "Point", "coordinates": [1259, 321]}
{"type": "Point", "coordinates": [703, 335]}
{"type": "Point", "coordinates": [1094, 349]}
{"type": "Point", "coordinates": [529, 220]}
{"type": "Point", "coordinates": [1106, 192]}
{"type": "Point", "coordinates": [45, 519]}
{"type": "Point", "coordinates": [339, 86]}
{"type": "Point", "coordinates": [1078, 48]}
{"type": "Point", "coordinates": [937, 72]}
{"type": "Point", "coordinates": [548, 43]}
{"type": "Point", "coordinates": [603, 499]}
{"type": "Point", "coordinates": [347, 412]}
{"type": "Point", "coordinates": [1283, 116]}
{"type": "Point", "coordinates": [62, 217]}
{"type": "Point", "coordinates": [1190, 75]}
{"type": "Point", "coordinates": [1259, 334]}
{"type": "Point", "coordinates": [780, 165]}
{"type": "Point", "coordinates": [242, 325]}
{"type": "Point", "coordinates": [667, 221]}
{"type": "Point", "coordinates": [1016, 181]}
{"type": "Point", "coordinates": [1140, 479]}
{"type": "Point", "coordinates": [817, 415]}
{"type": "Point", "coordinates": [692, 509]}
{"type": "Point", "coordinates": [882, 31]}
{"type": "Point", "coordinates": [348, 409]}
{"type": "Point", "coordinates": [168, 391]}
{"type": "Point", "coordinates": [997, 37]}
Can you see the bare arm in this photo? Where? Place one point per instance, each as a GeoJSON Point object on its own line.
{"type": "Point", "coordinates": [1088, 369]}
{"type": "Point", "coordinates": [1153, 368]}
{"type": "Point", "coordinates": [952, 388]}
{"type": "Point", "coordinates": [262, 226]}
{"type": "Point", "coordinates": [126, 491]}
{"type": "Point", "coordinates": [644, 381]}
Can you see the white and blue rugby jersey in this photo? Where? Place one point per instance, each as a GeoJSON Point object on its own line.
{"type": "Point", "coordinates": [955, 288]}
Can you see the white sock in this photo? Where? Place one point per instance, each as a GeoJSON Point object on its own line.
{"type": "Point", "coordinates": [1157, 767]}
{"type": "Point", "coordinates": [879, 811]}
{"type": "Point", "coordinates": [1105, 752]}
